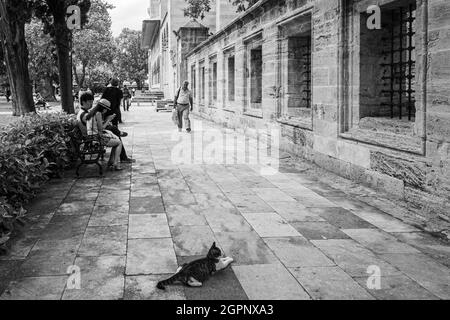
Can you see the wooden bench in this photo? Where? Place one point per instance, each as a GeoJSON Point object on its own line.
{"type": "Point", "coordinates": [89, 150]}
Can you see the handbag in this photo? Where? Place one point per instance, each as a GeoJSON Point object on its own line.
{"type": "Point", "coordinates": [175, 117]}
{"type": "Point", "coordinates": [107, 136]}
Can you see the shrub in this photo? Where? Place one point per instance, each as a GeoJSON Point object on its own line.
{"type": "Point", "coordinates": [32, 149]}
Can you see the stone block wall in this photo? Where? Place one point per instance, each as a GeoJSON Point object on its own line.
{"type": "Point", "coordinates": [419, 175]}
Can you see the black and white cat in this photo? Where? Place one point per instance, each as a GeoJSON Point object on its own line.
{"type": "Point", "coordinates": [195, 273]}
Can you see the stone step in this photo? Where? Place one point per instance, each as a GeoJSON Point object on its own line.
{"type": "Point", "coordinates": [166, 105]}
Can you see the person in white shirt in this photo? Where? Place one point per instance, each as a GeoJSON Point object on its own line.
{"type": "Point", "coordinates": [184, 103]}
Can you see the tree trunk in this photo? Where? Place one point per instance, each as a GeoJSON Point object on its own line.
{"type": "Point", "coordinates": [75, 74]}
{"type": "Point", "coordinates": [62, 38]}
{"type": "Point", "coordinates": [12, 34]}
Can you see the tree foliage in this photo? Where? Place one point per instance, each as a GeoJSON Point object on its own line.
{"type": "Point", "coordinates": [53, 15]}
{"type": "Point", "coordinates": [43, 59]}
{"type": "Point", "coordinates": [197, 9]}
{"type": "Point", "coordinates": [93, 46]}
{"type": "Point", "coordinates": [131, 60]}
{"type": "Point", "coordinates": [42, 51]}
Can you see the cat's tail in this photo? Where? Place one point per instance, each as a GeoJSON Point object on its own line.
{"type": "Point", "coordinates": [162, 284]}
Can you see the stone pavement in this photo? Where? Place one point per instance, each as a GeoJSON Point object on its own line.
{"type": "Point", "coordinates": [292, 235]}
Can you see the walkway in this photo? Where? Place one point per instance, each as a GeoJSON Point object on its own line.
{"type": "Point", "coordinates": [292, 235]}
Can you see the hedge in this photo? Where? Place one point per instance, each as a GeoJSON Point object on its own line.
{"type": "Point", "coordinates": [33, 149]}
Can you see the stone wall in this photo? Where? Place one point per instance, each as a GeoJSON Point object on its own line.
{"type": "Point", "coordinates": [419, 174]}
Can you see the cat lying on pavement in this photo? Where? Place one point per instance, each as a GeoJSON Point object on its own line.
{"type": "Point", "coordinates": [194, 274]}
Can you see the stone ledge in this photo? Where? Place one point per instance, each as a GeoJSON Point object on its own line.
{"type": "Point", "coordinates": [297, 122]}
{"type": "Point", "coordinates": [385, 139]}
{"type": "Point", "coordinates": [253, 113]}
{"type": "Point", "coordinates": [388, 125]}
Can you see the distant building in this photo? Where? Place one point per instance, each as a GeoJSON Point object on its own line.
{"type": "Point", "coordinates": [161, 36]}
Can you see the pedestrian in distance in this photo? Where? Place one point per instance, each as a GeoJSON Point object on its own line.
{"type": "Point", "coordinates": [8, 95]}
{"type": "Point", "coordinates": [114, 95]}
{"type": "Point", "coordinates": [126, 98]}
{"type": "Point", "coordinates": [184, 104]}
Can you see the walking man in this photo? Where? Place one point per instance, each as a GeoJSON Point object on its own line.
{"type": "Point", "coordinates": [8, 95]}
{"type": "Point", "coordinates": [126, 98]}
{"type": "Point", "coordinates": [184, 103]}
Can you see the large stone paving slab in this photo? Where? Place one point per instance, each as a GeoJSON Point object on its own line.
{"type": "Point", "coordinates": [111, 198]}
{"type": "Point", "coordinates": [270, 225]}
{"type": "Point", "coordinates": [384, 221]}
{"type": "Point", "coordinates": [19, 248]}
{"type": "Point", "coordinates": [226, 222]}
{"type": "Point", "coordinates": [297, 252]}
{"type": "Point", "coordinates": [82, 194]}
{"type": "Point", "coordinates": [295, 212]}
{"type": "Point", "coordinates": [246, 248]}
{"type": "Point", "coordinates": [311, 200]}
{"type": "Point", "coordinates": [319, 230]}
{"type": "Point", "coordinates": [41, 205]}
{"type": "Point", "coordinates": [146, 226]}
{"type": "Point", "coordinates": [144, 288]}
{"type": "Point", "coordinates": [50, 258]}
{"type": "Point", "coordinates": [65, 227]}
{"type": "Point", "coordinates": [379, 241]}
{"type": "Point", "coordinates": [178, 197]}
{"type": "Point", "coordinates": [428, 273]}
{"type": "Point", "coordinates": [341, 218]}
{"type": "Point", "coordinates": [144, 188]}
{"type": "Point", "coordinates": [398, 287]}
{"type": "Point", "coordinates": [329, 283]}
{"type": "Point", "coordinates": [151, 256]}
{"type": "Point", "coordinates": [192, 240]}
{"type": "Point", "coordinates": [146, 205]}
{"type": "Point", "coordinates": [435, 248]}
{"type": "Point", "coordinates": [272, 194]}
{"type": "Point", "coordinates": [214, 202]}
{"type": "Point", "coordinates": [104, 241]}
{"type": "Point", "coordinates": [353, 258]}
{"type": "Point", "coordinates": [249, 203]}
{"type": "Point", "coordinates": [8, 270]}
{"type": "Point", "coordinates": [37, 288]}
{"type": "Point", "coordinates": [102, 278]}
{"type": "Point", "coordinates": [324, 190]}
{"type": "Point", "coordinates": [256, 182]}
{"type": "Point", "coordinates": [185, 216]}
{"type": "Point", "coordinates": [109, 216]}
{"type": "Point", "coordinates": [373, 215]}
{"type": "Point", "coordinates": [269, 282]}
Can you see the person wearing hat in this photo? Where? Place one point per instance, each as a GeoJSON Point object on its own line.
{"type": "Point", "coordinates": [91, 123]}
{"type": "Point", "coordinates": [88, 112]}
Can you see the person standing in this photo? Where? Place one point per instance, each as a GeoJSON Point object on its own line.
{"type": "Point", "coordinates": [184, 103]}
{"type": "Point", "coordinates": [126, 98]}
{"type": "Point", "coordinates": [8, 95]}
{"type": "Point", "coordinates": [114, 95]}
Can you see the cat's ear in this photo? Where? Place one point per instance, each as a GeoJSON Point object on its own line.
{"type": "Point", "coordinates": [214, 245]}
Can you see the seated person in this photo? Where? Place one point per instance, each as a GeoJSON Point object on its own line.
{"type": "Point", "coordinates": [86, 106]}
{"type": "Point", "coordinates": [90, 121]}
